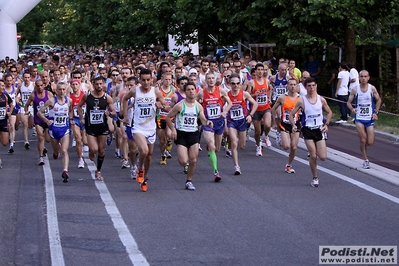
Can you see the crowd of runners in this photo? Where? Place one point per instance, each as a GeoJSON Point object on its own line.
{"type": "Point", "coordinates": [125, 100]}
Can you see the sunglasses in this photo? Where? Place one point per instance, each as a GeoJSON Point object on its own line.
{"type": "Point", "coordinates": [235, 83]}
{"type": "Point", "coordinates": [115, 75]}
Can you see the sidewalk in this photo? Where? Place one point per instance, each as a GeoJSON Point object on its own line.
{"type": "Point", "coordinates": [355, 163]}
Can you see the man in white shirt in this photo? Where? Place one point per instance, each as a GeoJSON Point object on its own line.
{"type": "Point", "coordinates": [353, 77]}
{"type": "Point", "coordinates": [341, 94]}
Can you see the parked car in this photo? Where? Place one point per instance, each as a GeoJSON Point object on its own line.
{"type": "Point", "coordinates": [34, 47]}
{"type": "Point", "coordinates": [58, 49]}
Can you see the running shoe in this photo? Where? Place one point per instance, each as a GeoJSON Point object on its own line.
{"type": "Point", "coordinates": [44, 151]}
{"type": "Point", "coordinates": [341, 122]}
{"type": "Point", "coordinates": [144, 185]}
{"type": "Point", "coordinates": [98, 176]}
{"type": "Point", "coordinates": [118, 154]}
{"type": "Point", "coordinates": [217, 177]}
{"type": "Point", "coordinates": [278, 138]}
{"type": "Point", "coordinates": [65, 176]}
{"type": "Point", "coordinates": [109, 139]}
{"type": "Point", "coordinates": [185, 169]}
{"type": "Point", "coordinates": [34, 133]}
{"type": "Point", "coordinates": [366, 164]}
{"type": "Point", "coordinates": [41, 160]}
{"type": "Point", "coordinates": [55, 156]}
{"type": "Point", "coordinates": [289, 170]}
{"type": "Point", "coordinates": [199, 147]}
{"type": "Point", "coordinates": [1, 164]}
{"type": "Point", "coordinates": [169, 145]}
{"type": "Point", "coordinates": [267, 142]}
{"type": "Point", "coordinates": [73, 143]}
{"type": "Point", "coordinates": [125, 164]}
{"type": "Point", "coordinates": [163, 160]}
{"type": "Point", "coordinates": [11, 150]}
{"type": "Point", "coordinates": [27, 146]}
{"type": "Point", "coordinates": [85, 148]}
{"type": "Point", "coordinates": [315, 182]}
{"type": "Point", "coordinates": [133, 172]}
{"type": "Point", "coordinates": [140, 175]}
{"type": "Point", "coordinates": [189, 185]}
{"type": "Point", "coordinates": [258, 151]}
{"type": "Point", "coordinates": [237, 170]}
{"type": "Point", "coordinates": [228, 153]}
{"type": "Point", "coordinates": [223, 141]}
{"type": "Point", "coordinates": [81, 163]}
{"type": "Point", "coordinates": [167, 154]}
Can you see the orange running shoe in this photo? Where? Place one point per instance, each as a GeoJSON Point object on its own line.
{"type": "Point", "coordinates": [140, 176]}
{"type": "Point", "coordinates": [144, 185]}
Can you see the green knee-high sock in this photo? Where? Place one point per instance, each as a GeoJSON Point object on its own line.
{"type": "Point", "coordinates": [214, 160]}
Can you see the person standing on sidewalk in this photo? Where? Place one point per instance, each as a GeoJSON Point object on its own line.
{"type": "Point", "coordinates": [341, 94]}
{"type": "Point", "coordinates": [313, 126]}
{"type": "Point", "coordinates": [368, 103]}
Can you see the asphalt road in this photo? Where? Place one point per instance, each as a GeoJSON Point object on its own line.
{"type": "Point", "coordinates": [263, 217]}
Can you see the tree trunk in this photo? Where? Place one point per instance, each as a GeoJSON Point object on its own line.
{"type": "Point", "coordinates": [350, 43]}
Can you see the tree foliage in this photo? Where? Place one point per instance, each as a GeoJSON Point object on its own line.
{"type": "Point", "coordinates": [140, 23]}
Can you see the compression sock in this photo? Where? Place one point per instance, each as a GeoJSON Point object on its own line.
{"type": "Point", "coordinates": [213, 160]}
{"type": "Point", "coordinates": [100, 160]}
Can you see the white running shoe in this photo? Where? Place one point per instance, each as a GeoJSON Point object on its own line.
{"type": "Point", "coordinates": [167, 154]}
{"type": "Point", "coordinates": [315, 183]}
{"type": "Point", "coordinates": [125, 164]}
{"type": "Point", "coordinates": [278, 138]}
{"type": "Point", "coordinates": [189, 185]}
{"type": "Point", "coordinates": [237, 170]}
{"type": "Point", "coordinates": [81, 163]}
{"type": "Point", "coordinates": [267, 142]}
{"type": "Point", "coordinates": [85, 148]}
{"type": "Point", "coordinates": [366, 164]}
{"type": "Point", "coordinates": [199, 147]}
{"type": "Point", "coordinates": [258, 151]}
{"type": "Point", "coordinates": [133, 172]}
{"type": "Point", "coordinates": [289, 170]}
{"type": "Point", "coordinates": [73, 143]}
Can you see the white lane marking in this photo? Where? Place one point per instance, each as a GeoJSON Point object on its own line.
{"type": "Point", "coordinates": [57, 257]}
{"type": "Point", "coordinates": [135, 255]}
{"type": "Point", "coordinates": [338, 175]}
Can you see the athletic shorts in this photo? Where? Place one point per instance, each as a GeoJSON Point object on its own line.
{"type": "Point", "coordinates": [95, 132]}
{"type": "Point", "coordinates": [286, 127]}
{"type": "Point", "coordinates": [42, 125]}
{"type": "Point", "coordinates": [58, 134]}
{"type": "Point", "coordinates": [258, 115]}
{"type": "Point", "coordinates": [366, 124]}
{"type": "Point", "coordinates": [187, 139]}
{"type": "Point", "coordinates": [150, 136]}
{"type": "Point", "coordinates": [314, 134]}
{"type": "Point", "coordinates": [3, 128]}
{"type": "Point", "coordinates": [239, 125]}
{"type": "Point", "coordinates": [77, 123]}
{"type": "Point", "coordinates": [161, 124]}
{"type": "Point", "coordinates": [218, 126]}
{"type": "Point", "coordinates": [129, 133]}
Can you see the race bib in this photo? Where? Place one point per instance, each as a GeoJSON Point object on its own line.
{"type": "Point", "coordinates": [236, 113]}
{"type": "Point", "coordinates": [145, 111]}
{"type": "Point", "coordinates": [314, 121]}
{"type": "Point", "coordinates": [281, 90]}
{"type": "Point", "coordinates": [190, 123]}
{"type": "Point", "coordinates": [286, 117]}
{"type": "Point", "coordinates": [60, 121]}
{"type": "Point", "coordinates": [96, 117]}
{"type": "Point", "coordinates": [25, 96]}
{"type": "Point", "coordinates": [261, 99]}
{"type": "Point", "coordinates": [3, 113]}
{"type": "Point", "coordinates": [213, 111]}
{"type": "Point", "coordinates": [75, 111]}
{"type": "Point", "coordinates": [364, 111]}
